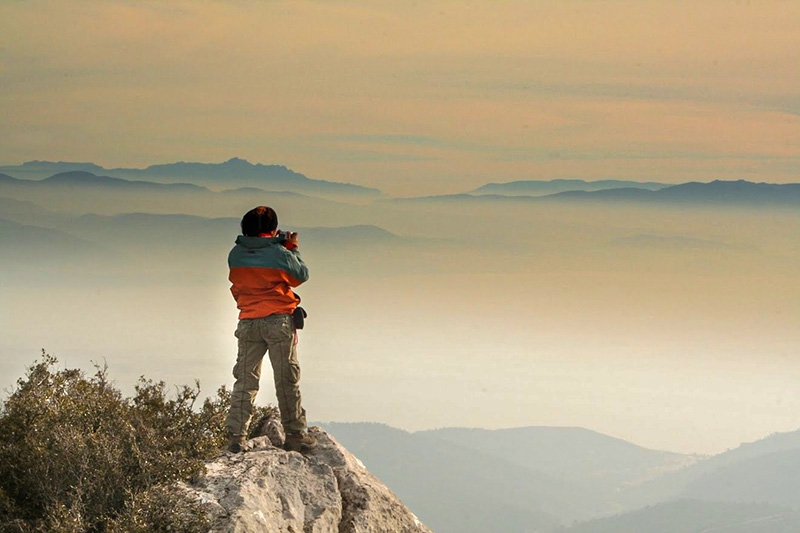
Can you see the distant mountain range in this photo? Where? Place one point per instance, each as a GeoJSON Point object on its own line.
{"type": "Point", "coordinates": [528, 479]}
{"type": "Point", "coordinates": [715, 193]}
{"type": "Point", "coordinates": [78, 178]}
{"type": "Point", "coordinates": [232, 174]}
{"type": "Point", "coordinates": [545, 188]}
{"type": "Point", "coordinates": [240, 175]}
{"type": "Point", "coordinates": [84, 192]}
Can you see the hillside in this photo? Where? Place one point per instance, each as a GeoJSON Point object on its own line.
{"type": "Point", "coordinates": [575, 454]}
{"type": "Point", "coordinates": [533, 477]}
{"type": "Point", "coordinates": [691, 516]}
{"type": "Point", "coordinates": [754, 471]}
{"type": "Point", "coordinates": [521, 472]}
{"type": "Point", "coordinates": [715, 193]}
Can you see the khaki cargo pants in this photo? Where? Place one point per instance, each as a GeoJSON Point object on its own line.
{"type": "Point", "coordinates": [276, 334]}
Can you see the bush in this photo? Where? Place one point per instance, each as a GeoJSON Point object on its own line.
{"type": "Point", "coordinates": [75, 455]}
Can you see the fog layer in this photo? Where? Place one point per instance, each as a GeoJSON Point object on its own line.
{"type": "Point", "coordinates": [671, 327]}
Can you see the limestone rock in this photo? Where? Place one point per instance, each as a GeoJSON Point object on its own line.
{"type": "Point", "coordinates": [271, 427]}
{"type": "Point", "coordinates": [266, 489]}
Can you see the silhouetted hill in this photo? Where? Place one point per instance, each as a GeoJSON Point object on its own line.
{"type": "Point", "coordinates": [241, 173]}
{"type": "Point", "coordinates": [575, 454]}
{"type": "Point", "coordinates": [37, 170]}
{"type": "Point", "coordinates": [755, 471]}
{"type": "Point", "coordinates": [544, 188]}
{"type": "Point", "coordinates": [465, 198]}
{"type": "Point", "coordinates": [84, 192]}
{"type": "Point", "coordinates": [690, 516]}
{"type": "Point", "coordinates": [717, 193]}
{"type": "Point", "coordinates": [91, 182]}
{"type": "Point", "coordinates": [740, 191]}
{"type": "Point", "coordinates": [777, 442]}
{"type": "Point", "coordinates": [234, 173]}
{"type": "Point", "coordinates": [623, 194]}
{"type": "Point", "coordinates": [232, 167]}
{"type": "Point", "coordinates": [765, 478]}
{"type": "Point", "coordinates": [739, 466]}
{"type": "Point", "coordinates": [87, 179]}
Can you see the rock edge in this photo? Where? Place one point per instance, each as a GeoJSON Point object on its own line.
{"type": "Point", "coordinates": [327, 490]}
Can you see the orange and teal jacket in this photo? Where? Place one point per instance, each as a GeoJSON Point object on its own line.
{"type": "Point", "coordinates": [262, 274]}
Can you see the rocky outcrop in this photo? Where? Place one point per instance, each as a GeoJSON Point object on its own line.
{"type": "Point", "coordinates": [266, 489]}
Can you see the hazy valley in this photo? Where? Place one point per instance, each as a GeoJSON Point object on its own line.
{"type": "Point", "coordinates": [535, 478]}
{"type": "Point", "coordinates": [664, 316]}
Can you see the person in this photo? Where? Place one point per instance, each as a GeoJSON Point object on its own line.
{"type": "Point", "coordinates": [265, 265]}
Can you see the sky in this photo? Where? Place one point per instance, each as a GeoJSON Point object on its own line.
{"type": "Point", "coordinates": [409, 97]}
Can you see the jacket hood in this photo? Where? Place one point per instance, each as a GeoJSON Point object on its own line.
{"type": "Point", "coordinates": [259, 242]}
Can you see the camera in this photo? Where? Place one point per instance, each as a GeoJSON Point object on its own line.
{"type": "Point", "coordinates": [287, 238]}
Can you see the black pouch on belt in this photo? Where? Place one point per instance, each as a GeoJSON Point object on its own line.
{"type": "Point", "coordinates": [299, 317]}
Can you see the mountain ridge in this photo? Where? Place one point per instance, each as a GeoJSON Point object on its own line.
{"type": "Point", "coordinates": [84, 178]}
{"type": "Point", "coordinates": [233, 173]}
{"type": "Point", "coordinates": [714, 193]}
{"type": "Point", "coordinates": [717, 192]}
{"type": "Point", "coordinates": [545, 187]}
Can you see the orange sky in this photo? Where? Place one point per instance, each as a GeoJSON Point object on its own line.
{"type": "Point", "coordinates": [413, 98]}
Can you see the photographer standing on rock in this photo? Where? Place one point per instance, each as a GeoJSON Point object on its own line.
{"type": "Point", "coordinates": [264, 266]}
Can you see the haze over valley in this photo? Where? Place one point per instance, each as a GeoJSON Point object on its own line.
{"type": "Point", "coordinates": [668, 323]}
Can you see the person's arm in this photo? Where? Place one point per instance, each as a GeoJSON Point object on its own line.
{"type": "Point", "coordinates": [295, 267]}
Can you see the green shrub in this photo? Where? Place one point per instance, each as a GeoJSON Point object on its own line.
{"type": "Point", "coordinates": [160, 508]}
{"type": "Point", "coordinates": [75, 455]}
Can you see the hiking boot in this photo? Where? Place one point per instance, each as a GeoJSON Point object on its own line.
{"type": "Point", "coordinates": [235, 443]}
{"type": "Point", "coordinates": [299, 442]}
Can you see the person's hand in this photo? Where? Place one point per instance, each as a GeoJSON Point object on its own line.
{"type": "Point", "coordinates": [291, 240]}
